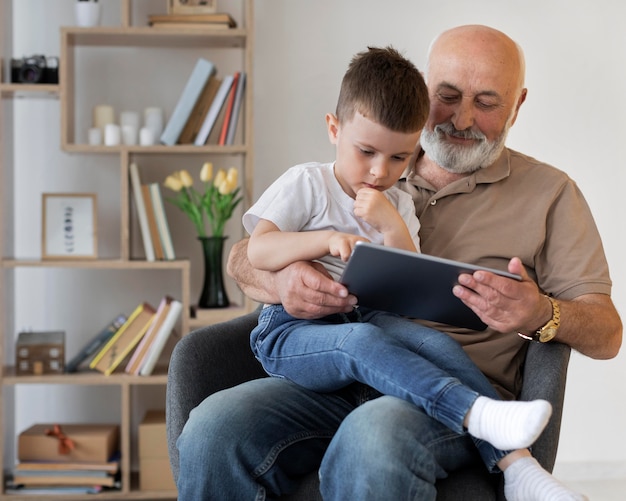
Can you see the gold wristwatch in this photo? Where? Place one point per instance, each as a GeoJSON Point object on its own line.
{"type": "Point", "coordinates": [548, 331]}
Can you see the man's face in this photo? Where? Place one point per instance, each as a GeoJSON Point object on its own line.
{"type": "Point", "coordinates": [368, 154]}
{"type": "Point", "coordinates": [473, 105]}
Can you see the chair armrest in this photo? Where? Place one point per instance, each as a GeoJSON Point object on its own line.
{"type": "Point", "coordinates": [545, 375]}
{"type": "Point", "coordinates": [205, 361]}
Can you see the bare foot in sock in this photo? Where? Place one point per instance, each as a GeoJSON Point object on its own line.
{"type": "Point", "coordinates": [508, 425]}
{"type": "Point", "coordinates": [526, 480]}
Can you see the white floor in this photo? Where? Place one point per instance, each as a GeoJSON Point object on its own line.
{"type": "Point", "coordinates": [601, 490]}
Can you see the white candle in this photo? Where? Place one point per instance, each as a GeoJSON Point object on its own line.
{"type": "Point", "coordinates": [146, 137]}
{"type": "Point", "coordinates": [129, 134]}
{"type": "Point", "coordinates": [103, 114]}
{"type": "Point", "coordinates": [95, 136]}
{"type": "Point", "coordinates": [112, 135]}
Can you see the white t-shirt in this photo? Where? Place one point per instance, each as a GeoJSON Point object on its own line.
{"type": "Point", "coordinates": [308, 197]}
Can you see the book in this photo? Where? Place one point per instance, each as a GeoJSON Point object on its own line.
{"type": "Point", "coordinates": [201, 73]}
{"type": "Point", "coordinates": [135, 181]}
{"type": "Point", "coordinates": [232, 126]}
{"type": "Point", "coordinates": [95, 343]}
{"type": "Point", "coordinates": [124, 340]}
{"type": "Point", "coordinates": [156, 347]}
{"type": "Point", "coordinates": [214, 110]}
{"type": "Point", "coordinates": [137, 358]}
{"type": "Point", "coordinates": [55, 490]}
{"type": "Point", "coordinates": [154, 231]}
{"type": "Point", "coordinates": [220, 18]}
{"type": "Point", "coordinates": [161, 221]}
{"type": "Point", "coordinates": [108, 466]}
{"type": "Point", "coordinates": [228, 109]}
{"type": "Point", "coordinates": [190, 131]}
{"type": "Point", "coordinates": [60, 477]}
{"type": "Point", "coordinates": [187, 26]}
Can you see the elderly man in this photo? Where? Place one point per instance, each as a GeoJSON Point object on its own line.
{"type": "Point", "coordinates": [478, 202]}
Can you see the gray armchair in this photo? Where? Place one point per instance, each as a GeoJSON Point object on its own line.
{"type": "Point", "coordinates": [219, 356]}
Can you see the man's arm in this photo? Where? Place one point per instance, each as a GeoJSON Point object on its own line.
{"type": "Point", "coordinates": [590, 323]}
{"type": "Point", "coordinates": [304, 289]}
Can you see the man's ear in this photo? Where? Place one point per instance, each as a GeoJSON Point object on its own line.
{"type": "Point", "coordinates": [520, 101]}
{"type": "Point", "coordinates": [332, 126]}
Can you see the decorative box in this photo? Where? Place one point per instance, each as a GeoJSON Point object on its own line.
{"type": "Point", "coordinates": [155, 473]}
{"type": "Point", "coordinates": [39, 353]}
{"type": "Point", "coordinates": [68, 442]}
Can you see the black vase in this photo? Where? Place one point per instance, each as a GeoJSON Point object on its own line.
{"type": "Point", "coordinates": [213, 292]}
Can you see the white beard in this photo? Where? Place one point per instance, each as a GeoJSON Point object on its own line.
{"type": "Point", "coordinates": [462, 159]}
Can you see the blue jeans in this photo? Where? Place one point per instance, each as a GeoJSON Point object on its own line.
{"type": "Point", "coordinates": [254, 441]}
{"type": "Point", "coordinates": [391, 354]}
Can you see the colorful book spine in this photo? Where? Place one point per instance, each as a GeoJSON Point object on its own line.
{"type": "Point", "coordinates": [214, 111]}
{"type": "Point", "coordinates": [94, 344]}
{"type": "Point", "coordinates": [158, 344]}
{"type": "Point", "coordinates": [161, 222]}
{"type": "Point", "coordinates": [195, 84]}
{"type": "Point", "coordinates": [232, 126]}
{"type": "Point", "coordinates": [124, 340]}
{"type": "Point", "coordinates": [229, 109]}
{"type": "Point", "coordinates": [135, 181]}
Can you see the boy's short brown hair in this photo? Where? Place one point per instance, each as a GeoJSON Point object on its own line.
{"type": "Point", "coordinates": [385, 87]}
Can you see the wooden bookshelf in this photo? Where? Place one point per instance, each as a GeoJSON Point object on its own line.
{"type": "Point", "coordinates": [136, 35]}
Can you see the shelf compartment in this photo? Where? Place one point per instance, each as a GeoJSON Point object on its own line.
{"type": "Point", "coordinates": [29, 90]}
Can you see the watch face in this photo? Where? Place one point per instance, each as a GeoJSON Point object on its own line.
{"type": "Point", "coordinates": [547, 334]}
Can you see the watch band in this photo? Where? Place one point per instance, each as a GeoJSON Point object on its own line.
{"type": "Point", "coordinates": [546, 332]}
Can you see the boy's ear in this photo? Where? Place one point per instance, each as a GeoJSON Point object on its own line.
{"type": "Point", "coordinates": [332, 126]}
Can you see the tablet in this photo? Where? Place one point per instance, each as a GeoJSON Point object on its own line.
{"type": "Point", "coordinates": [411, 284]}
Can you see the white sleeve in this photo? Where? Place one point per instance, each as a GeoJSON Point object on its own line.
{"type": "Point", "coordinates": [288, 202]}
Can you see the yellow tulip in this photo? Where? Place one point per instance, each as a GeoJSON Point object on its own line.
{"type": "Point", "coordinates": [219, 178]}
{"type": "Point", "coordinates": [185, 178]}
{"type": "Point", "coordinates": [206, 173]}
{"type": "Point", "coordinates": [232, 178]}
{"type": "Point", "coordinates": [173, 183]}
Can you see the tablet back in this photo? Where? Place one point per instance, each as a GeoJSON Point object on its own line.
{"type": "Point", "coordinates": [410, 284]}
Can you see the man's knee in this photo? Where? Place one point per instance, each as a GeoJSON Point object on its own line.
{"type": "Point", "coordinates": [378, 448]}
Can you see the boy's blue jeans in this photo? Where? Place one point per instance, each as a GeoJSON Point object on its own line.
{"type": "Point", "coordinates": [255, 440]}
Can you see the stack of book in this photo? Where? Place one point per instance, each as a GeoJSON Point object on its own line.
{"type": "Point", "coordinates": [61, 477]}
{"type": "Point", "coordinates": [208, 108]}
{"type": "Point", "coordinates": [155, 230]}
{"type": "Point", "coordinates": [137, 345]}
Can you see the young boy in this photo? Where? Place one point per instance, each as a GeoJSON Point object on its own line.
{"type": "Point", "coordinates": [318, 212]}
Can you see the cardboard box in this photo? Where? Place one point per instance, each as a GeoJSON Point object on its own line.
{"type": "Point", "coordinates": [39, 353]}
{"type": "Point", "coordinates": [154, 465]}
{"type": "Point", "coordinates": [92, 442]}
{"type": "Point", "coordinates": [155, 475]}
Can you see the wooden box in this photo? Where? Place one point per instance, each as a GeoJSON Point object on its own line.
{"type": "Point", "coordinates": [39, 353]}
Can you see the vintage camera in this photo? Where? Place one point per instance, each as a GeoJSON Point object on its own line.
{"type": "Point", "coordinates": [37, 69]}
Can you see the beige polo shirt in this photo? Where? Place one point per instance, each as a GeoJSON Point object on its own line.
{"type": "Point", "coordinates": [517, 207]}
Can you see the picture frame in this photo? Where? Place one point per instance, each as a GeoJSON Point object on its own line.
{"type": "Point", "coordinates": [192, 6]}
{"type": "Point", "coordinates": [69, 223]}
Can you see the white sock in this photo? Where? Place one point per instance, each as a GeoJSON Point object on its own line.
{"type": "Point", "coordinates": [526, 480]}
{"type": "Point", "coordinates": [508, 425]}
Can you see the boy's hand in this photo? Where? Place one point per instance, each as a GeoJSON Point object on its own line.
{"type": "Point", "coordinates": [374, 208]}
{"type": "Point", "coordinates": [341, 244]}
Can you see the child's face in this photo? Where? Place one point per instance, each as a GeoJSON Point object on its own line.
{"type": "Point", "coordinates": [369, 155]}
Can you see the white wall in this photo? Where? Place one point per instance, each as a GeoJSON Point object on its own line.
{"type": "Point", "coordinates": [572, 118]}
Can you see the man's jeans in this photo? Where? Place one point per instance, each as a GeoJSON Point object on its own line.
{"type": "Point", "coordinates": [254, 441]}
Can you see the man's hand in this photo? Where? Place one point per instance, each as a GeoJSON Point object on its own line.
{"type": "Point", "coordinates": [306, 290]}
{"type": "Point", "coordinates": [505, 304]}
{"type": "Point", "coordinates": [590, 323]}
